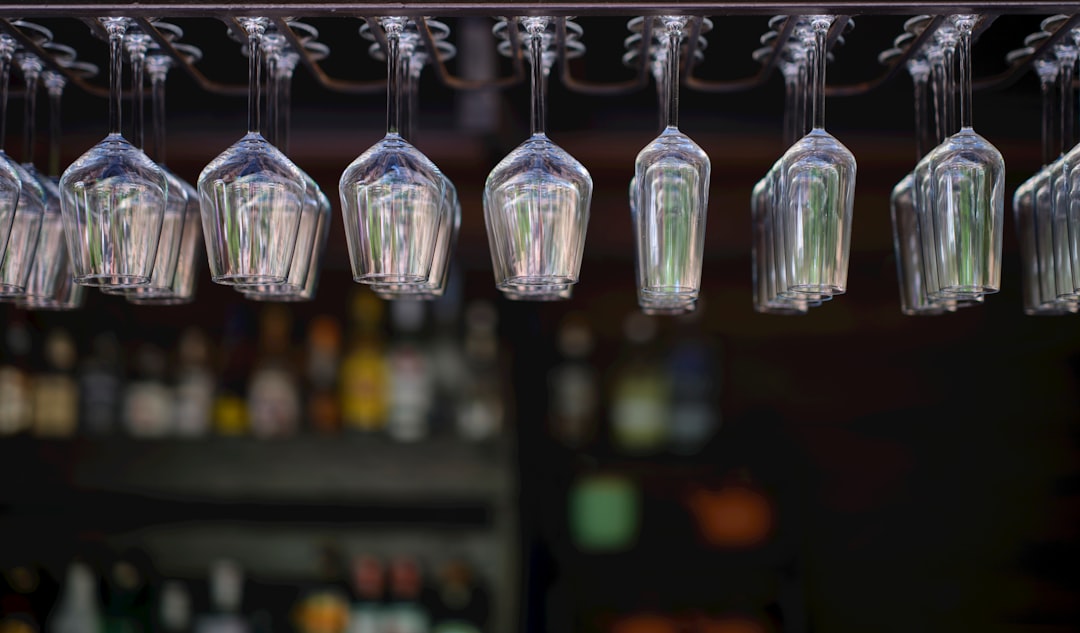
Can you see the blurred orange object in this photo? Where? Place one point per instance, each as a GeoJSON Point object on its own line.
{"type": "Point", "coordinates": [735, 515]}
{"type": "Point", "coordinates": [732, 624]}
{"type": "Point", "coordinates": [645, 623]}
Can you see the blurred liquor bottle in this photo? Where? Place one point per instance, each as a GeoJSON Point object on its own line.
{"type": "Point", "coordinates": [148, 400]}
{"type": "Point", "coordinates": [368, 609]}
{"type": "Point", "coordinates": [226, 597]}
{"type": "Point", "coordinates": [100, 385]}
{"type": "Point", "coordinates": [573, 386]}
{"type": "Point", "coordinates": [16, 405]}
{"type": "Point", "coordinates": [480, 410]}
{"type": "Point", "coordinates": [323, 361]}
{"type": "Point", "coordinates": [174, 608]}
{"type": "Point", "coordinates": [695, 417]}
{"type": "Point", "coordinates": [194, 385]}
{"type": "Point", "coordinates": [128, 608]}
{"type": "Point", "coordinates": [460, 603]}
{"type": "Point", "coordinates": [411, 378]}
{"type": "Point", "coordinates": [640, 393]}
{"type": "Point", "coordinates": [274, 402]}
{"type": "Point", "coordinates": [20, 605]}
{"type": "Point", "coordinates": [230, 404]}
{"type": "Point", "coordinates": [406, 611]}
{"type": "Point", "coordinates": [364, 371]}
{"type": "Point", "coordinates": [324, 608]}
{"type": "Point", "coordinates": [447, 357]}
{"type": "Point", "coordinates": [78, 608]}
{"type": "Point", "coordinates": [56, 393]}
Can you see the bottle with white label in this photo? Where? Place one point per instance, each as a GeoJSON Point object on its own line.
{"type": "Point", "coordinates": [194, 386]}
{"type": "Point", "coordinates": [573, 385]}
{"type": "Point", "coordinates": [274, 388]}
{"type": "Point", "coordinates": [412, 384]}
{"type": "Point", "coordinates": [16, 405]}
{"type": "Point", "coordinates": [78, 609]}
{"type": "Point", "coordinates": [148, 400]}
{"type": "Point", "coordinates": [56, 394]}
{"type": "Point", "coordinates": [226, 596]}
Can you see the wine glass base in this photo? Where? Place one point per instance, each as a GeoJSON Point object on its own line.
{"type": "Point", "coordinates": [964, 292]}
{"type": "Point", "coordinates": [115, 281]}
{"type": "Point", "coordinates": [9, 291]}
{"type": "Point", "coordinates": [522, 282]}
{"type": "Point", "coordinates": [668, 293]}
{"type": "Point", "coordinates": [384, 278]}
{"type": "Point", "coordinates": [160, 301]}
{"type": "Point", "coordinates": [248, 280]}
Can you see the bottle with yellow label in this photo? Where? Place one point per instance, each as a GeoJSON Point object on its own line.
{"type": "Point", "coordinates": [364, 372]}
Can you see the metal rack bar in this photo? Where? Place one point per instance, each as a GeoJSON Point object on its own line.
{"type": "Point", "coordinates": [314, 8]}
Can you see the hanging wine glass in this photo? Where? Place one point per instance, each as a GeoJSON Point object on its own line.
{"type": "Point", "coordinates": [49, 285]}
{"type": "Point", "coordinates": [302, 281]}
{"type": "Point", "coordinates": [964, 177]}
{"type": "Point", "coordinates": [252, 197]}
{"type": "Point", "coordinates": [414, 56]}
{"type": "Point", "coordinates": [768, 272]}
{"type": "Point", "coordinates": [22, 234]}
{"type": "Point", "coordinates": [1069, 201]}
{"type": "Point", "coordinates": [1037, 285]}
{"type": "Point", "coordinates": [177, 202]}
{"type": "Point", "coordinates": [536, 200]}
{"type": "Point", "coordinates": [392, 196]}
{"type": "Point", "coordinates": [815, 195]}
{"type": "Point", "coordinates": [914, 298]}
{"type": "Point", "coordinates": [181, 289]}
{"type": "Point", "coordinates": [671, 193]}
{"type": "Point", "coordinates": [10, 183]}
{"type": "Point", "coordinates": [113, 198]}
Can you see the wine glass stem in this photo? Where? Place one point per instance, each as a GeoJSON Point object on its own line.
{"type": "Point", "coordinates": [802, 93]}
{"type": "Point", "coordinates": [253, 80]}
{"type": "Point", "coordinates": [674, 35]}
{"type": "Point", "coordinates": [921, 123]}
{"type": "Point", "coordinates": [964, 67]}
{"type": "Point", "coordinates": [272, 86]}
{"type": "Point", "coordinates": [138, 63]}
{"type": "Point", "coordinates": [1051, 146]}
{"type": "Point", "coordinates": [157, 98]}
{"type": "Point", "coordinates": [1067, 123]}
{"type": "Point", "coordinates": [536, 57]}
{"type": "Point", "coordinates": [393, 76]}
{"type": "Point", "coordinates": [116, 39]}
{"type": "Point", "coordinates": [31, 77]}
{"type": "Point", "coordinates": [821, 31]}
{"type": "Point", "coordinates": [948, 90]}
{"type": "Point", "coordinates": [284, 111]}
{"type": "Point", "coordinates": [790, 82]}
{"type": "Point", "coordinates": [55, 94]}
{"type": "Point", "coordinates": [5, 76]}
{"type": "Point", "coordinates": [408, 102]}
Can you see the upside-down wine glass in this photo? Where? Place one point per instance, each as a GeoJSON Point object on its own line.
{"type": "Point", "coordinates": [252, 197]}
{"type": "Point", "coordinates": [10, 183]}
{"type": "Point", "coordinates": [536, 200]}
{"type": "Point", "coordinates": [176, 199]}
{"type": "Point", "coordinates": [22, 237]}
{"type": "Point", "coordinates": [1070, 169]}
{"type": "Point", "coordinates": [767, 273]}
{"type": "Point", "coordinates": [303, 278]}
{"type": "Point", "coordinates": [113, 197]}
{"type": "Point", "coordinates": [392, 195]}
{"type": "Point", "coordinates": [671, 177]}
{"type": "Point", "coordinates": [914, 298]}
{"type": "Point", "coordinates": [49, 285]}
{"type": "Point", "coordinates": [414, 56]}
{"type": "Point", "coordinates": [1036, 284]}
{"type": "Point", "coordinates": [964, 181]}
{"type": "Point", "coordinates": [181, 289]}
{"type": "Point", "coordinates": [1052, 196]}
{"type": "Point", "coordinates": [816, 192]}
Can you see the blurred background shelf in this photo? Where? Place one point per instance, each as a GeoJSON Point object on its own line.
{"type": "Point", "coordinates": [301, 470]}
